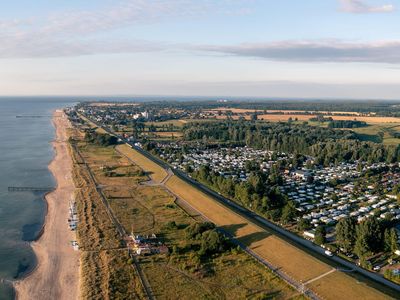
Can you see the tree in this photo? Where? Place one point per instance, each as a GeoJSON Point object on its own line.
{"type": "Point", "coordinates": [369, 237]}
{"type": "Point", "coordinates": [361, 247]}
{"type": "Point", "coordinates": [390, 240]}
{"type": "Point", "coordinates": [320, 235]}
{"type": "Point", "coordinates": [212, 242]}
{"type": "Point", "coordinates": [346, 234]}
{"type": "Point", "coordinates": [304, 224]}
{"type": "Point", "coordinates": [288, 213]}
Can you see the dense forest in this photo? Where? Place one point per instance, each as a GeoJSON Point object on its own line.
{"type": "Point", "coordinates": [326, 145]}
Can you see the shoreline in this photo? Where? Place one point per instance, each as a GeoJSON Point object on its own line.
{"type": "Point", "coordinates": [56, 273]}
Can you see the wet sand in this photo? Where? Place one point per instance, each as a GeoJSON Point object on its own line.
{"type": "Point", "coordinates": [57, 273]}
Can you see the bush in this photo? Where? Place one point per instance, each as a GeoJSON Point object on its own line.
{"type": "Point", "coordinates": [195, 230]}
{"type": "Point", "coordinates": [212, 242]}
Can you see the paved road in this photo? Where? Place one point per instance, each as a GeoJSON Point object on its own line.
{"type": "Point", "coordinates": [297, 241]}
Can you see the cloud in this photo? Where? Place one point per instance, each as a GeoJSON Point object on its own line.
{"type": "Point", "coordinates": [315, 51]}
{"type": "Point", "coordinates": [86, 32]}
{"type": "Point", "coordinates": [360, 7]}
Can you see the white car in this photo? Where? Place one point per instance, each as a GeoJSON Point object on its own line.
{"type": "Point", "coordinates": [328, 253]}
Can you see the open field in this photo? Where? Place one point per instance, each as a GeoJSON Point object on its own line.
{"type": "Point", "coordinates": [105, 270]}
{"type": "Point", "coordinates": [155, 172]}
{"type": "Point", "coordinates": [379, 133]}
{"type": "Point", "coordinates": [168, 134]}
{"type": "Point", "coordinates": [177, 123]}
{"type": "Point", "coordinates": [301, 266]}
{"type": "Point", "coordinates": [147, 209]}
{"type": "Point", "coordinates": [291, 260]}
{"type": "Point", "coordinates": [331, 286]}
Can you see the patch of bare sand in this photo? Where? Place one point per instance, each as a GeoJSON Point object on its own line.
{"type": "Point", "coordinates": [57, 273]}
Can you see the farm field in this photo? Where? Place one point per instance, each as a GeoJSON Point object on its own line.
{"type": "Point", "coordinates": [155, 172]}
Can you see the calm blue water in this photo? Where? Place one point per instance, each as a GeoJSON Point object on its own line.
{"type": "Point", "coordinates": [25, 152]}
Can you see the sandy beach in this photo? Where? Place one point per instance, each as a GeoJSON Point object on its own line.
{"type": "Point", "coordinates": [57, 273]}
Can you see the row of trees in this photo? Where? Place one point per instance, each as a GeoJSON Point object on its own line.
{"type": "Point", "coordinates": [369, 237]}
{"type": "Point", "coordinates": [258, 193]}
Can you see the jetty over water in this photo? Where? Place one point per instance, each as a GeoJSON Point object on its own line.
{"type": "Point", "coordinates": [33, 116]}
{"type": "Point", "coordinates": [29, 189]}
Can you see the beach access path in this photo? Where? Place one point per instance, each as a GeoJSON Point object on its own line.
{"type": "Point", "coordinates": [57, 273]}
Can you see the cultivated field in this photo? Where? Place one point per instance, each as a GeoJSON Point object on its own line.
{"type": "Point", "coordinates": [155, 172]}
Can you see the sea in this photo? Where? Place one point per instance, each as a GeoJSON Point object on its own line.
{"type": "Point", "coordinates": [26, 132]}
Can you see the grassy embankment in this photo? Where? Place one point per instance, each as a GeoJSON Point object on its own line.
{"type": "Point", "coordinates": [294, 262]}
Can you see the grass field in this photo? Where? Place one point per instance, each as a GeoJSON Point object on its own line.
{"type": "Point", "coordinates": [177, 123]}
{"type": "Point", "coordinates": [155, 172]}
{"type": "Point", "coordinates": [379, 133]}
{"type": "Point", "coordinates": [105, 272]}
{"type": "Point", "coordinates": [291, 260]}
{"type": "Point", "coordinates": [331, 286]}
{"type": "Point", "coordinates": [147, 209]}
{"type": "Point", "coordinates": [300, 266]}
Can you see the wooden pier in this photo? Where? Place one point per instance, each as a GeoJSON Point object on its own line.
{"type": "Point", "coordinates": [29, 189]}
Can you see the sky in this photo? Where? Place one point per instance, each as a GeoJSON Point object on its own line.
{"type": "Point", "coordinates": [256, 48]}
